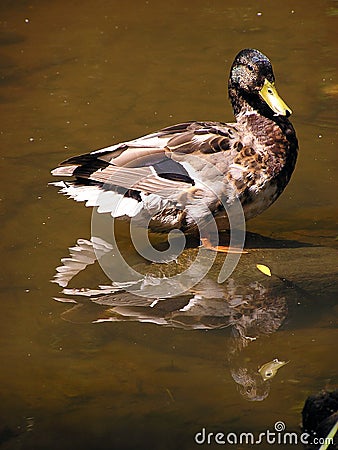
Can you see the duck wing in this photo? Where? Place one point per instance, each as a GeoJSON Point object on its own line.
{"type": "Point", "coordinates": [156, 168]}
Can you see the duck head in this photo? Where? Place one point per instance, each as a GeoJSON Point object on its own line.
{"type": "Point", "coordinates": [252, 86]}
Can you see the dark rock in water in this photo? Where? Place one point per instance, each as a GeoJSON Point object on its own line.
{"type": "Point", "coordinates": [320, 413]}
{"type": "Point", "coordinates": [6, 434]}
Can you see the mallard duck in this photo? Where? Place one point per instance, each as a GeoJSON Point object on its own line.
{"type": "Point", "coordinates": [193, 169]}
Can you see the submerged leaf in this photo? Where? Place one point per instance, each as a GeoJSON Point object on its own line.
{"type": "Point", "coordinates": [264, 269]}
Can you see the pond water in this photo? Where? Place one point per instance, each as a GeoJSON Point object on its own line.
{"type": "Point", "coordinates": [76, 76]}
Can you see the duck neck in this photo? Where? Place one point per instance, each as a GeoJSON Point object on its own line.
{"type": "Point", "coordinates": [255, 122]}
{"type": "Point", "coordinates": [276, 138]}
{"type": "Point", "coordinates": [261, 120]}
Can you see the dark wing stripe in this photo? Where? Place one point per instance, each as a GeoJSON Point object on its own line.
{"type": "Point", "coordinates": [86, 170]}
{"type": "Point", "coordinates": [172, 170]}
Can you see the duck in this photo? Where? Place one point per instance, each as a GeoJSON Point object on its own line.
{"type": "Point", "coordinates": [186, 175]}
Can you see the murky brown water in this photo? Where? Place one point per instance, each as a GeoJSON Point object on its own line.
{"type": "Point", "coordinates": [77, 76]}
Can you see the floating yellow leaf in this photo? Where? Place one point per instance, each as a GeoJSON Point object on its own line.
{"type": "Point", "coordinates": [264, 269]}
{"type": "Point", "coordinates": [269, 369]}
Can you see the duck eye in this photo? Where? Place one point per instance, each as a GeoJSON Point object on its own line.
{"type": "Point", "coordinates": [250, 68]}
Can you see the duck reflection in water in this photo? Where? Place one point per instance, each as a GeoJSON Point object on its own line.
{"type": "Point", "coordinates": [251, 307]}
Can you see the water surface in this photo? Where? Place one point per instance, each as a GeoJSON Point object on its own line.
{"type": "Point", "coordinates": [76, 76]}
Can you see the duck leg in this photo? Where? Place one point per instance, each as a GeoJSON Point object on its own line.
{"type": "Point", "coordinates": [205, 242]}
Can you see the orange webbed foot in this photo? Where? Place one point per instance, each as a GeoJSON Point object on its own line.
{"type": "Point", "coordinates": [220, 248]}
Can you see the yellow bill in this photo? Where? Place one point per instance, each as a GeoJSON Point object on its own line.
{"type": "Point", "coordinates": [270, 95]}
